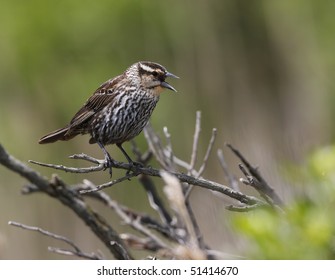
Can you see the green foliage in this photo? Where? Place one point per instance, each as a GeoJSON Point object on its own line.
{"type": "Point", "coordinates": [305, 229]}
{"type": "Point", "coordinates": [321, 165]}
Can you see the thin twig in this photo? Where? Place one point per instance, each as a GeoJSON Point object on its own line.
{"type": "Point", "coordinates": [253, 182]}
{"type": "Point", "coordinates": [129, 217]}
{"type": "Point", "coordinates": [232, 181]}
{"type": "Point", "coordinates": [160, 244]}
{"type": "Point", "coordinates": [87, 158]}
{"type": "Point", "coordinates": [244, 208]}
{"type": "Point", "coordinates": [124, 212]}
{"type": "Point", "coordinates": [169, 148]}
{"type": "Point", "coordinates": [77, 252]}
{"type": "Point", "coordinates": [99, 167]}
{"type": "Point", "coordinates": [204, 163]}
{"type": "Point", "coordinates": [208, 152]}
{"type": "Point", "coordinates": [108, 184]}
{"type": "Point", "coordinates": [195, 140]}
{"type": "Point", "coordinates": [72, 253]}
{"type": "Point", "coordinates": [262, 186]}
{"type": "Point", "coordinates": [143, 158]}
{"type": "Point", "coordinates": [154, 199]}
{"type": "Point", "coordinates": [155, 146]}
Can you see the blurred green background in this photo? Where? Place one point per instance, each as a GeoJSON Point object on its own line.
{"type": "Point", "coordinates": [261, 72]}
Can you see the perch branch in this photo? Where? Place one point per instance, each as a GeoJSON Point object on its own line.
{"type": "Point", "coordinates": [59, 190]}
{"type": "Point", "coordinates": [207, 184]}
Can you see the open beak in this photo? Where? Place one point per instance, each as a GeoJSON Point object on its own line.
{"type": "Point", "coordinates": [166, 85]}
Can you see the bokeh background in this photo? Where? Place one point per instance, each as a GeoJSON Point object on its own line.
{"type": "Point", "coordinates": [261, 72]}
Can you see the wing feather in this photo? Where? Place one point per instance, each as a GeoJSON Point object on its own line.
{"type": "Point", "coordinates": [103, 96]}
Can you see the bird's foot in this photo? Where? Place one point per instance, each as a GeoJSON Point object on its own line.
{"type": "Point", "coordinates": [132, 165]}
{"type": "Point", "coordinates": [109, 163]}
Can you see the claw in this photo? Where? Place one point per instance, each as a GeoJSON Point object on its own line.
{"type": "Point", "coordinates": [133, 164]}
{"type": "Point", "coordinates": [109, 162]}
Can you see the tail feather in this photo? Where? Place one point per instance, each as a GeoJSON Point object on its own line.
{"type": "Point", "coordinates": [59, 134]}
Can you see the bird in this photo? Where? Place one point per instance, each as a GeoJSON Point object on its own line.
{"type": "Point", "coordinates": [118, 110]}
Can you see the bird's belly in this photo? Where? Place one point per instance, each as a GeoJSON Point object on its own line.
{"type": "Point", "coordinates": [118, 124]}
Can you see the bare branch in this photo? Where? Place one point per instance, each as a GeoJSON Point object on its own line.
{"type": "Point", "coordinates": [208, 152]}
{"type": "Point", "coordinates": [258, 181]}
{"type": "Point", "coordinates": [138, 243]}
{"type": "Point", "coordinates": [204, 163]}
{"type": "Point", "coordinates": [230, 177]}
{"type": "Point", "coordinates": [77, 252]}
{"type": "Point", "coordinates": [244, 208]}
{"type": "Point", "coordinates": [159, 242]}
{"type": "Point", "coordinates": [71, 253]}
{"type": "Point", "coordinates": [168, 149]}
{"type": "Point", "coordinates": [128, 216]}
{"type": "Point", "coordinates": [108, 184]}
{"type": "Point", "coordinates": [195, 140]}
{"type": "Point", "coordinates": [155, 146]}
{"type": "Point", "coordinates": [144, 158]}
{"type": "Point", "coordinates": [59, 190]}
{"type": "Point", "coordinates": [87, 158]}
{"type": "Point", "coordinates": [154, 199]}
{"type": "Point", "coordinates": [207, 184]}
{"type": "Point", "coordinates": [99, 167]}
{"type": "Point", "coordinates": [174, 193]}
{"type": "Point", "coordinates": [124, 212]}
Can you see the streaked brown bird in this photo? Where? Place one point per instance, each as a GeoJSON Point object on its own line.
{"type": "Point", "coordinates": [118, 110]}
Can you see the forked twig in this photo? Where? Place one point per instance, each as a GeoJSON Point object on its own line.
{"type": "Point", "coordinates": [255, 179]}
{"type": "Point", "coordinates": [202, 168]}
{"type": "Point", "coordinates": [77, 251]}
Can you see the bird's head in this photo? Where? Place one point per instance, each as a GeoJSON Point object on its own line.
{"type": "Point", "coordinates": [151, 76]}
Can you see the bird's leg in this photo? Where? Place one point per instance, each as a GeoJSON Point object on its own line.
{"type": "Point", "coordinates": [109, 162]}
{"type": "Point", "coordinates": [130, 161]}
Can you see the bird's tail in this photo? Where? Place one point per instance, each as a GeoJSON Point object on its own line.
{"type": "Point", "coordinates": [59, 134]}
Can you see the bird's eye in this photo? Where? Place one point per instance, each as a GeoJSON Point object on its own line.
{"type": "Point", "coordinates": [155, 73]}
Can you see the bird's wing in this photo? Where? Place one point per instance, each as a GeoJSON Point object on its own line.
{"type": "Point", "coordinates": [103, 96]}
